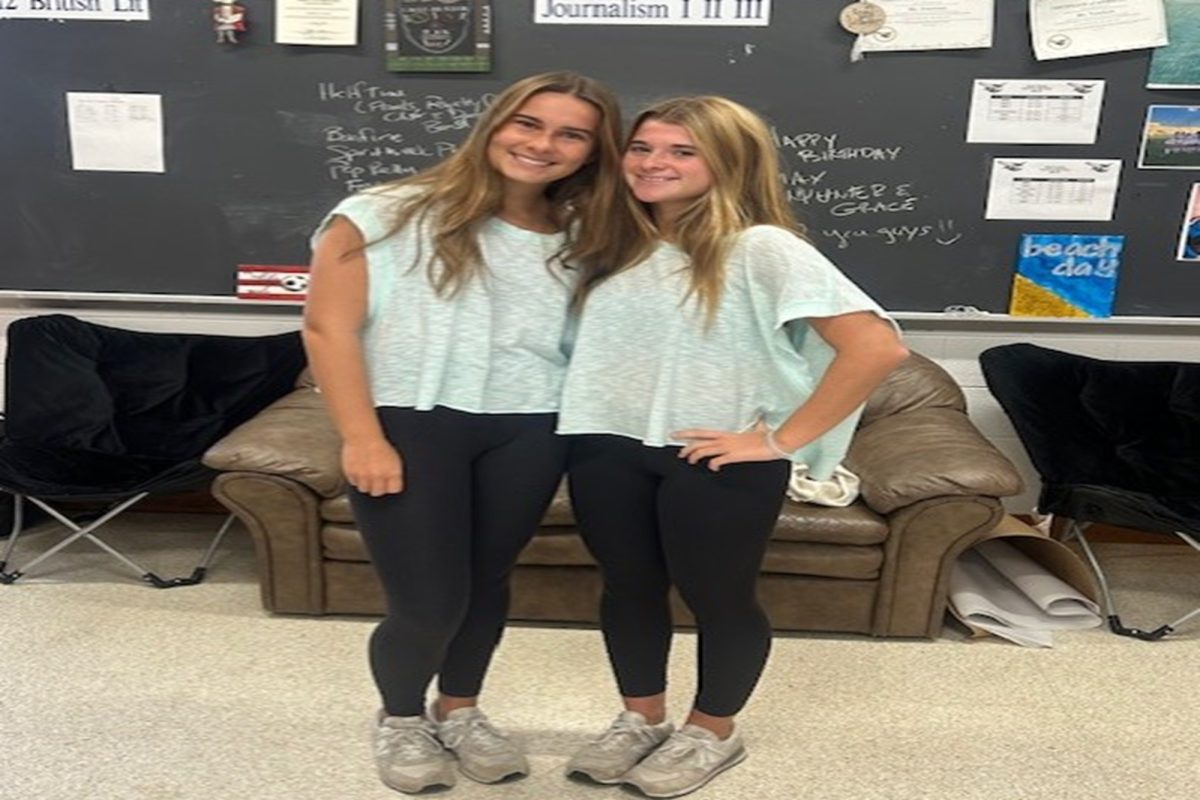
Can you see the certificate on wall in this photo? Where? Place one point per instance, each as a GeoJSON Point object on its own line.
{"type": "Point", "coordinates": [1070, 28]}
{"type": "Point", "coordinates": [1023, 111]}
{"type": "Point", "coordinates": [316, 22]}
{"type": "Point", "coordinates": [1076, 189]}
{"type": "Point", "coordinates": [115, 132]}
{"type": "Point", "coordinates": [932, 25]}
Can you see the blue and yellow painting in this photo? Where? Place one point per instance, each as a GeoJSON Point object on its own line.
{"type": "Point", "coordinates": [1066, 275]}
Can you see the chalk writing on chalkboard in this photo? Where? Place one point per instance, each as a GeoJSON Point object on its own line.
{"type": "Point", "coordinates": [842, 206]}
{"type": "Point", "coordinates": [378, 133]}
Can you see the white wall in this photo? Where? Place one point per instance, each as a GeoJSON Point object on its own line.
{"type": "Point", "coordinates": [953, 341]}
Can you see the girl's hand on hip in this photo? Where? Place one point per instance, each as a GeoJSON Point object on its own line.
{"type": "Point", "coordinates": [725, 447]}
{"type": "Point", "coordinates": [373, 468]}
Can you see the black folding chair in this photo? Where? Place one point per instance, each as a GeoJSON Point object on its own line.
{"type": "Point", "coordinates": [1115, 442]}
{"type": "Point", "coordinates": [96, 413]}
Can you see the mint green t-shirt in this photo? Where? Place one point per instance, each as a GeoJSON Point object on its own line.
{"type": "Point", "coordinates": [493, 347]}
{"type": "Point", "coordinates": [644, 364]}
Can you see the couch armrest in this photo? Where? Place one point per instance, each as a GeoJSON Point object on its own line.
{"type": "Point", "coordinates": [926, 453]}
{"type": "Point", "coordinates": [924, 541]}
{"type": "Point", "coordinates": [284, 522]}
{"type": "Point", "coordinates": [293, 438]}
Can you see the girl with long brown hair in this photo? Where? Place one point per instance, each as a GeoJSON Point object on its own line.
{"type": "Point", "coordinates": [715, 347]}
{"type": "Point", "coordinates": [434, 326]}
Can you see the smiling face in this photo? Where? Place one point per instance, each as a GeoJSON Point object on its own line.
{"type": "Point", "coordinates": [548, 138]}
{"type": "Point", "coordinates": [664, 169]}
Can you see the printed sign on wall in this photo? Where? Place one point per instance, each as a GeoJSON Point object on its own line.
{"type": "Point", "coordinates": [653, 12]}
{"type": "Point", "coordinates": [127, 10]}
{"type": "Point", "coordinates": [272, 282]}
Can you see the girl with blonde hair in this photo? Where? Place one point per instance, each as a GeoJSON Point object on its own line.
{"type": "Point", "coordinates": [715, 348]}
{"type": "Point", "coordinates": [434, 325]}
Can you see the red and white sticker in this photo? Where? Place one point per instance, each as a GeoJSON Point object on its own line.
{"type": "Point", "coordinates": [272, 283]}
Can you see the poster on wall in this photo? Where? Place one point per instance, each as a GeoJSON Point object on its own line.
{"type": "Point", "coordinates": [1066, 275]}
{"type": "Point", "coordinates": [1189, 236]}
{"type": "Point", "coordinates": [1177, 65]}
{"type": "Point", "coordinates": [1171, 138]}
{"type": "Point", "coordinates": [653, 12]}
{"type": "Point", "coordinates": [124, 10]}
{"type": "Point", "coordinates": [438, 35]}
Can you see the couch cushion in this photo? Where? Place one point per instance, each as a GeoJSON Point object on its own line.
{"type": "Point", "coordinates": [342, 543]}
{"type": "Point", "coordinates": [562, 547]}
{"type": "Point", "coordinates": [559, 512]}
{"type": "Point", "coordinates": [927, 453]}
{"type": "Point", "coordinates": [337, 509]}
{"type": "Point", "coordinates": [916, 383]}
{"type": "Point", "coordinates": [854, 525]}
{"type": "Point", "coordinates": [824, 560]}
{"type": "Point", "coordinates": [556, 546]}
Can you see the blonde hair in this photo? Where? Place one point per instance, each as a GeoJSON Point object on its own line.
{"type": "Point", "coordinates": [740, 153]}
{"type": "Point", "coordinates": [463, 190]}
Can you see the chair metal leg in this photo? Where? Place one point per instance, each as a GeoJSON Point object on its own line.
{"type": "Point", "coordinates": [1114, 620]}
{"type": "Point", "coordinates": [201, 571]}
{"type": "Point", "coordinates": [144, 574]}
{"type": "Point", "coordinates": [18, 521]}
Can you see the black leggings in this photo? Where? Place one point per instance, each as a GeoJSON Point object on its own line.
{"type": "Point", "coordinates": [653, 520]}
{"type": "Point", "coordinates": [475, 489]}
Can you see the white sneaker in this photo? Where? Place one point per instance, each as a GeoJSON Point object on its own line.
{"type": "Point", "coordinates": [690, 758]}
{"type": "Point", "coordinates": [409, 756]}
{"type": "Point", "coordinates": [627, 741]}
{"type": "Point", "coordinates": [484, 753]}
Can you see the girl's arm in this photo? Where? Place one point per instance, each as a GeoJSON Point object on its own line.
{"type": "Point", "coordinates": [867, 349]}
{"type": "Point", "coordinates": [333, 320]}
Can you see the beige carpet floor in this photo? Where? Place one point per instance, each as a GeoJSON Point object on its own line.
{"type": "Point", "coordinates": [110, 690]}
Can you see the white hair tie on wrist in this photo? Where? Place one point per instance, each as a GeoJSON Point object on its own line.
{"type": "Point", "coordinates": [774, 447]}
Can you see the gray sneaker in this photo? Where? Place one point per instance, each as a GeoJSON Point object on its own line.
{"type": "Point", "coordinates": [484, 753]}
{"type": "Point", "coordinates": [409, 756]}
{"type": "Point", "coordinates": [692, 757]}
{"type": "Point", "coordinates": [627, 741]}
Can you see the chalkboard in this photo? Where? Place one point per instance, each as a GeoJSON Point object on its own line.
{"type": "Point", "coordinates": [261, 139]}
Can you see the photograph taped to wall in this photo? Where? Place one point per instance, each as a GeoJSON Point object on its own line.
{"type": "Point", "coordinates": [1189, 236]}
{"type": "Point", "coordinates": [1171, 138]}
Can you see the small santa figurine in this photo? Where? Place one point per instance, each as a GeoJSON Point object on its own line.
{"type": "Point", "coordinates": [229, 19]}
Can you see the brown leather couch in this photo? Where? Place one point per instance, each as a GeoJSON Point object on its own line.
{"type": "Point", "coordinates": [930, 489]}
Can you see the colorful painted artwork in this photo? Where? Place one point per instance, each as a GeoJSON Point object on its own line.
{"type": "Point", "coordinates": [1066, 275]}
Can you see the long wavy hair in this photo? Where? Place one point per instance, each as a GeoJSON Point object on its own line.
{"type": "Point", "coordinates": [739, 150]}
{"type": "Point", "coordinates": [462, 191]}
